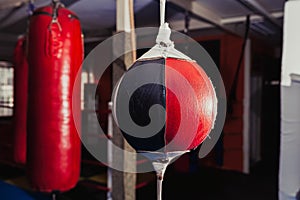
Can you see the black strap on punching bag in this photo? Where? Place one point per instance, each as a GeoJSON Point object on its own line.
{"type": "Point", "coordinates": [232, 95]}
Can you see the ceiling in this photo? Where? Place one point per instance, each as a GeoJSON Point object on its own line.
{"type": "Point", "coordinates": [232, 8]}
{"type": "Point", "coordinates": [98, 17]}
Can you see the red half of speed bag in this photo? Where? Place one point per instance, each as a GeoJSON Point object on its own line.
{"type": "Point", "coordinates": [55, 54]}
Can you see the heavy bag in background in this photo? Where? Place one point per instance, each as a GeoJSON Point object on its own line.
{"type": "Point", "coordinates": [20, 100]}
{"type": "Point", "coordinates": [55, 53]}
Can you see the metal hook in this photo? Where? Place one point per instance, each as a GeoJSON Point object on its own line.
{"type": "Point", "coordinates": [55, 21]}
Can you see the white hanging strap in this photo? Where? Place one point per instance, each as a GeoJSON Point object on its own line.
{"type": "Point", "coordinates": [164, 45]}
{"type": "Point", "coordinates": [163, 37]}
{"type": "Point", "coordinates": [162, 11]}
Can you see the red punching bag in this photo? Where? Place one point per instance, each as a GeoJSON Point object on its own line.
{"type": "Point", "coordinates": [20, 100]}
{"type": "Point", "coordinates": [55, 53]}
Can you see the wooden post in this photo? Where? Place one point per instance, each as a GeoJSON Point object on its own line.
{"type": "Point", "coordinates": [123, 186]}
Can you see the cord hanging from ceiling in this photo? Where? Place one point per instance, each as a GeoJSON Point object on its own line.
{"type": "Point", "coordinates": [232, 95]}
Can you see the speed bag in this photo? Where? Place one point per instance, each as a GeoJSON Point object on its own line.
{"type": "Point", "coordinates": [55, 54]}
{"type": "Point", "coordinates": [165, 104]}
{"type": "Point", "coordinates": [20, 101]}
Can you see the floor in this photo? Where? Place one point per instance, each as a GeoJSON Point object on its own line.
{"type": "Point", "coordinates": [214, 184]}
{"type": "Point", "coordinates": [204, 184]}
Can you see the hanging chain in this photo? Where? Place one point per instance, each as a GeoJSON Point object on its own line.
{"type": "Point", "coordinates": [56, 5]}
{"type": "Point", "coordinates": [55, 1]}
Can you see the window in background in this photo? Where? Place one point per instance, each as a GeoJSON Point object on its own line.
{"type": "Point", "coordinates": [6, 90]}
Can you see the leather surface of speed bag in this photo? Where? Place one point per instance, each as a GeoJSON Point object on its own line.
{"type": "Point", "coordinates": [55, 54]}
{"type": "Point", "coordinates": [184, 91]}
{"type": "Point", "coordinates": [20, 100]}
